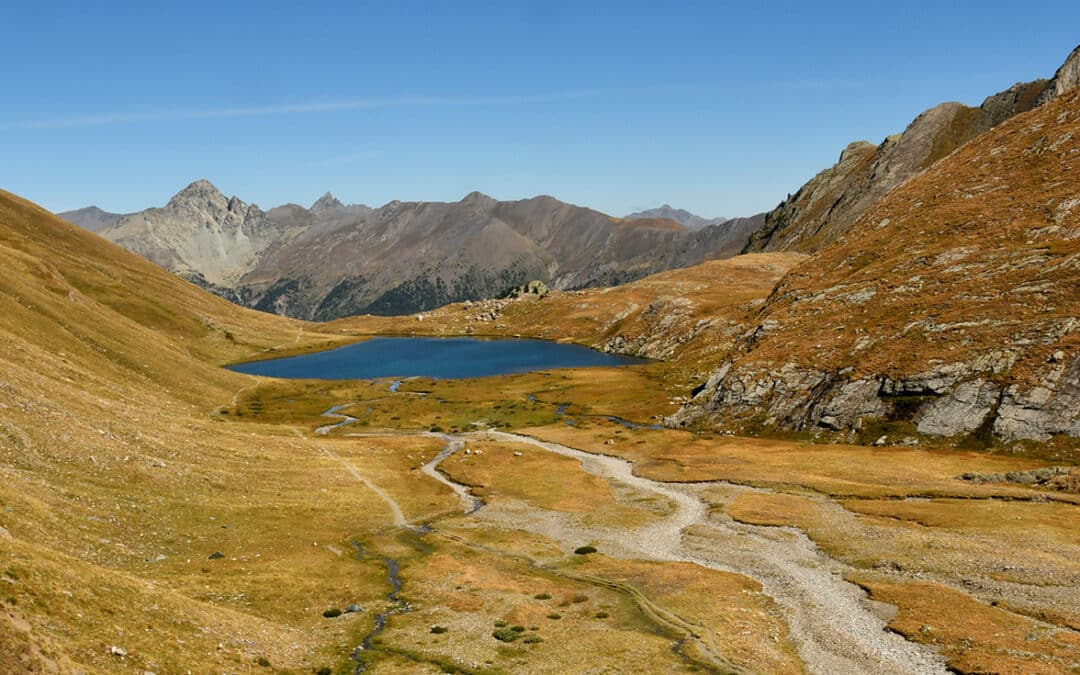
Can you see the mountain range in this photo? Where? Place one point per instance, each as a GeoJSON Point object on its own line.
{"type": "Point", "coordinates": [681, 216]}
{"type": "Point", "coordinates": [332, 259]}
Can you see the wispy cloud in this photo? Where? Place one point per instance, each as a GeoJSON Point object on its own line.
{"type": "Point", "coordinates": [194, 114]}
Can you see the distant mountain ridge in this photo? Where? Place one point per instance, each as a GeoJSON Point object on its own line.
{"type": "Point", "coordinates": [91, 218]}
{"type": "Point", "coordinates": [826, 207]}
{"type": "Point", "coordinates": [681, 216]}
{"type": "Point", "coordinates": [333, 260]}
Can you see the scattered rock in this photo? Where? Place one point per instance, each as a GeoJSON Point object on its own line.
{"type": "Point", "coordinates": [353, 609]}
{"type": "Point", "coordinates": [1046, 476]}
{"type": "Point", "coordinates": [117, 651]}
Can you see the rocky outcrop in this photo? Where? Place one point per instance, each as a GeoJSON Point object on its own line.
{"type": "Point", "coordinates": [1051, 407]}
{"type": "Point", "coordinates": [828, 205]}
{"type": "Point", "coordinates": [950, 308]}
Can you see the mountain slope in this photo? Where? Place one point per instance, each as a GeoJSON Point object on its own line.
{"type": "Point", "coordinates": [949, 308]}
{"type": "Point", "coordinates": [826, 207]}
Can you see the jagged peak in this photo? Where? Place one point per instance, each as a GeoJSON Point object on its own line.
{"type": "Point", "coordinates": [1065, 79]}
{"type": "Point", "coordinates": [327, 201]}
{"type": "Point", "coordinates": [477, 197]}
{"type": "Point", "coordinates": [198, 190]}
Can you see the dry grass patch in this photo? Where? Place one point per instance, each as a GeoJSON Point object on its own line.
{"type": "Point", "coordinates": [975, 638]}
{"type": "Point", "coordinates": [839, 470]}
{"type": "Point", "coordinates": [544, 480]}
{"type": "Point", "coordinates": [744, 624]}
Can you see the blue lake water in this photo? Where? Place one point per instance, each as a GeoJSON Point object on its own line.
{"type": "Point", "coordinates": [445, 358]}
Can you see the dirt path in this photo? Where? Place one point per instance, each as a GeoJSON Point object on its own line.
{"type": "Point", "coordinates": [396, 514]}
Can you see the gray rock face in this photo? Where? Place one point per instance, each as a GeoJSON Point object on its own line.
{"type": "Point", "coordinates": [200, 233]}
{"type": "Point", "coordinates": [1065, 79]}
{"type": "Point", "coordinates": [1052, 407]}
{"type": "Point", "coordinates": [962, 411]}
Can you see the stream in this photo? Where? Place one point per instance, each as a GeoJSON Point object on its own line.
{"type": "Point", "coordinates": [836, 629]}
{"type": "Point", "coordinates": [397, 606]}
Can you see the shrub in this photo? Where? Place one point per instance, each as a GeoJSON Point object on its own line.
{"type": "Point", "coordinates": [533, 639]}
{"type": "Point", "coordinates": [263, 661]}
{"type": "Point", "coordinates": [500, 624]}
{"type": "Point", "coordinates": [542, 596]}
{"type": "Point", "coordinates": [554, 616]}
{"type": "Point", "coordinates": [578, 598]}
{"type": "Point", "coordinates": [439, 630]}
{"type": "Point", "coordinates": [505, 635]}
{"type": "Point", "coordinates": [332, 613]}
{"type": "Point", "coordinates": [602, 615]}
{"type": "Point", "coordinates": [518, 629]}
{"type": "Point", "coordinates": [585, 550]}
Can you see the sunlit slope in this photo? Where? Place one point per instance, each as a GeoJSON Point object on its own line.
{"type": "Point", "coordinates": [109, 458]}
{"type": "Point", "coordinates": [949, 309]}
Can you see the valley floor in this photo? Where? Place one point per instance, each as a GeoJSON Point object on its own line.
{"type": "Point", "coordinates": [724, 554]}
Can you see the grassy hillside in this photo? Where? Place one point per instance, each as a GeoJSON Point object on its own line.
{"type": "Point", "coordinates": [159, 513]}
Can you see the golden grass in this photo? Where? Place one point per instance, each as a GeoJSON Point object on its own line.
{"type": "Point", "coordinates": [975, 638]}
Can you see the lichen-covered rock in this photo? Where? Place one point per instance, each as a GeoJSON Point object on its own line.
{"type": "Point", "coordinates": [1052, 407]}
{"type": "Point", "coordinates": [961, 411]}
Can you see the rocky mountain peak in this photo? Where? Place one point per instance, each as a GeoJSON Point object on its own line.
{"type": "Point", "coordinates": [1065, 79]}
{"type": "Point", "coordinates": [327, 201]}
{"type": "Point", "coordinates": [477, 198]}
{"type": "Point", "coordinates": [200, 192]}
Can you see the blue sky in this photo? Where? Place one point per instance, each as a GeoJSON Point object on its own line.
{"type": "Point", "coordinates": [718, 107]}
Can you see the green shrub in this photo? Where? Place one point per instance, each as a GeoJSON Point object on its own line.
{"type": "Point", "coordinates": [542, 596]}
{"type": "Point", "coordinates": [505, 635]}
{"type": "Point", "coordinates": [332, 613]}
{"type": "Point", "coordinates": [518, 629]}
{"type": "Point", "coordinates": [439, 630]}
{"type": "Point", "coordinates": [585, 550]}
{"type": "Point", "coordinates": [500, 624]}
{"type": "Point", "coordinates": [602, 615]}
{"type": "Point", "coordinates": [554, 616]}
{"type": "Point", "coordinates": [263, 661]}
{"type": "Point", "coordinates": [533, 639]}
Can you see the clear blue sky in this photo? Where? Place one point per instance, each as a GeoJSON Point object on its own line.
{"type": "Point", "coordinates": [718, 107]}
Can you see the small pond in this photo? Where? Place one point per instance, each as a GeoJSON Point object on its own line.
{"type": "Point", "coordinates": [445, 358]}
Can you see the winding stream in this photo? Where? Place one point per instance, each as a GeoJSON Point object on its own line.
{"type": "Point", "coordinates": [832, 623]}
